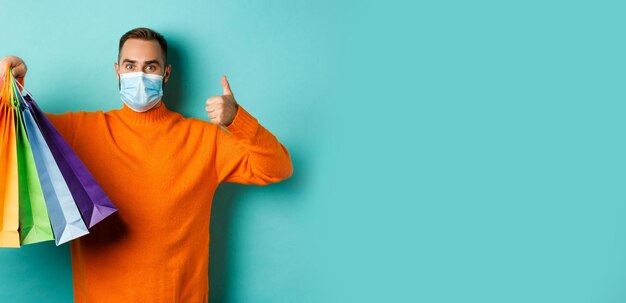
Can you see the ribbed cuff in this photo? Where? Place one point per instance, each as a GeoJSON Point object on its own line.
{"type": "Point", "coordinates": [244, 125]}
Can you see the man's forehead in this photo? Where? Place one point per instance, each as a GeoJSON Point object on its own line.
{"type": "Point", "coordinates": [141, 51]}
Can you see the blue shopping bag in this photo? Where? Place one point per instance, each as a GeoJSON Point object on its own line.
{"type": "Point", "coordinates": [67, 223]}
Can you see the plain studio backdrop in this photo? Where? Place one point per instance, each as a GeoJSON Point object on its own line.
{"type": "Point", "coordinates": [444, 151]}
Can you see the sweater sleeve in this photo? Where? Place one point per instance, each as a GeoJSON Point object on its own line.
{"type": "Point", "coordinates": [247, 153]}
{"type": "Point", "coordinates": [65, 124]}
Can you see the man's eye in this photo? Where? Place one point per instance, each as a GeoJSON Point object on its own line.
{"type": "Point", "coordinates": [150, 68]}
{"type": "Point", "coordinates": [128, 66]}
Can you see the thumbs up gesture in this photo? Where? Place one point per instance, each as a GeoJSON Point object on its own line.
{"type": "Point", "coordinates": [222, 109]}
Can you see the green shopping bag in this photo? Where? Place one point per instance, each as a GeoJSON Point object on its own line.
{"type": "Point", "coordinates": [34, 222]}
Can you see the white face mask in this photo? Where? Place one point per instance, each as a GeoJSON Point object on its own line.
{"type": "Point", "coordinates": [141, 91]}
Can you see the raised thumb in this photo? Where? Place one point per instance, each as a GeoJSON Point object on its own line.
{"type": "Point", "coordinates": [226, 86]}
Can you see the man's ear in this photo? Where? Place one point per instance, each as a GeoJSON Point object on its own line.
{"type": "Point", "coordinates": [117, 70]}
{"type": "Point", "coordinates": [168, 69]}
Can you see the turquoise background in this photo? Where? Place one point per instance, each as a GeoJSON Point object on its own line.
{"type": "Point", "coordinates": [444, 151]}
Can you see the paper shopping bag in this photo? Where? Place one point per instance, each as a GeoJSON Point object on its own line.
{"type": "Point", "coordinates": [92, 202]}
{"type": "Point", "coordinates": [34, 222]}
{"type": "Point", "coordinates": [9, 197]}
{"type": "Point", "coordinates": [65, 218]}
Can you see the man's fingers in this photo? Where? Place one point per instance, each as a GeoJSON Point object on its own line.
{"type": "Point", "coordinates": [211, 109]}
{"type": "Point", "coordinates": [19, 71]}
{"type": "Point", "coordinates": [215, 101]}
{"type": "Point", "coordinates": [226, 86]}
{"type": "Point", "coordinates": [12, 61]}
{"type": "Point", "coordinates": [214, 118]}
{"type": "Point", "coordinates": [216, 106]}
{"type": "Point", "coordinates": [19, 67]}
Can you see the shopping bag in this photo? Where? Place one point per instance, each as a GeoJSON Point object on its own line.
{"type": "Point", "coordinates": [65, 218]}
{"type": "Point", "coordinates": [34, 222]}
{"type": "Point", "coordinates": [9, 187]}
{"type": "Point", "coordinates": [92, 202]}
{"type": "Point", "coordinates": [46, 192]}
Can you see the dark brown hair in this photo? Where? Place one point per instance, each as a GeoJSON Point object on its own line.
{"type": "Point", "coordinates": [144, 34]}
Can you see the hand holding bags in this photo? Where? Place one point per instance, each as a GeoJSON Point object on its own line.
{"type": "Point", "coordinates": [44, 187]}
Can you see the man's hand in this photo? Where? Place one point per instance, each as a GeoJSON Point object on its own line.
{"type": "Point", "coordinates": [222, 109]}
{"type": "Point", "coordinates": [19, 67]}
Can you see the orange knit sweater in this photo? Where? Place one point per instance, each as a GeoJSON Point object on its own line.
{"type": "Point", "coordinates": [161, 170]}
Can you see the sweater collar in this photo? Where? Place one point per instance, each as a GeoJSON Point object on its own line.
{"type": "Point", "coordinates": [150, 116]}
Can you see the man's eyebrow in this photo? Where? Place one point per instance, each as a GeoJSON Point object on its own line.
{"type": "Point", "coordinates": [153, 62]}
{"type": "Point", "coordinates": [146, 63]}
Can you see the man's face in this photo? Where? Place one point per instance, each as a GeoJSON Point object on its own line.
{"type": "Point", "coordinates": [142, 56]}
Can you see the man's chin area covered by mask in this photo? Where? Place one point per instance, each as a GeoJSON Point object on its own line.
{"type": "Point", "coordinates": [141, 91]}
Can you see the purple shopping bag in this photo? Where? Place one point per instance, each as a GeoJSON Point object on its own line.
{"type": "Point", "coordinates": [92, 201]}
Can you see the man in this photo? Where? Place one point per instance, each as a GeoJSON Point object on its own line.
{"type": "Point", "coordinates": [161, 170]}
